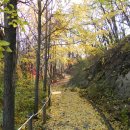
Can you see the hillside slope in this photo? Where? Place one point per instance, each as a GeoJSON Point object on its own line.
{"type": "Point", "coordinates": [106, 81]}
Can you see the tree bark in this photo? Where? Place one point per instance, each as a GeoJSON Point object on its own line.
{"type": "Point", "coordinates": [38, 59]}
{"type": "Point", "coordinates": [46, 51]}
{"type": "Point", "coordinates": [9, 71]}
{"type": "Point", "coordinates": [48, 47]}
{"type": "Point", "coordinates": [45, 61]}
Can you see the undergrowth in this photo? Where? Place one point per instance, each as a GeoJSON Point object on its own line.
{"type": "Point", "coordinates": [24, 100]}
{"type": "Point", "coordinates": [97, 81]}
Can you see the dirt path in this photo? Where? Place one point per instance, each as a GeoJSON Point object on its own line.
{"type": "Point", "coordinates": [71, 112]}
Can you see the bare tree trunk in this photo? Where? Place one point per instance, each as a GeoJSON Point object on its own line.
{"type": "Point", "coordinates": [49, 42]}
{"type": "Point", "coordinates": [124, 14]}
{"type": "Point", "coordinates": [46, 51]}
{"type": "Point", "coordinates": [115, 29]}
{"type": "Point", "coordinates": [38, 59]}
{"type": "Point", "coordinates": [111, 33]}
{"type": "Point", "coordinates": [54, 64]}
{"type": "Point", "coordinates": [45, 61]}
{"type": "Point", "coordinates": [9, 71]}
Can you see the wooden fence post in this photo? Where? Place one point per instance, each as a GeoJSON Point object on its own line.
{"type": "Point", "coordinates": [49, 102]}
{"type": "Point", "coordinates": [44, 111]}
{"type": "Point", "coordinates": [49, 95]}
{"type": "Point", "coordinates": [30, 125]}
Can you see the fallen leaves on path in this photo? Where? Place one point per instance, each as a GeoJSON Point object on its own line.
{"type": "Point", "coordinates": [71, 112]}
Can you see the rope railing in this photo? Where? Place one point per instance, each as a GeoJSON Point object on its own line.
{"type": "Point", "coordinates": [34, 115]}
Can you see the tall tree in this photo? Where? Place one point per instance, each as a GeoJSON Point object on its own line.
{"type": "Point", "coordinates": [46, 49]}
{"type": "Point", "coordinates": [38, 57]}
{"type": "Point", "coordinates": [45, 60]}
{"type": "Point", "coordinates": [9, 70]}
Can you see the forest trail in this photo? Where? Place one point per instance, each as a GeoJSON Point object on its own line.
{"type": "Point", "coordinates": [71, 112]}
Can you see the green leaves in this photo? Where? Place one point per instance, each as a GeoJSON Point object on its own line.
{"type": "Point", "coordinates": [15, 20]}
{"type": "Point", "coordinates": [1, 49]}
{"type": "Point", "coordinates": [1, 55]}
{"type": "Point", "coordinates": [8, 49]}
{"type": "Point", "coordinates": [101, 1]}
{"type": "Point", "coordinates": [4, 43]}
{"type": "Point", "coordinates": [4, 46]}
{"type": "Point", "coordinates": [4, 1]}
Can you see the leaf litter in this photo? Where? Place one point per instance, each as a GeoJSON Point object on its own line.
{"type": "Point", "coordinates": [71, 112]}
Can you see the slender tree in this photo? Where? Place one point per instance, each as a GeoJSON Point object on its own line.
{"type": "Point", "coordinates": [49, 43]}
{"type": "Point", "coordinates": [38, 58]}
{"type": "Point", "coordinates": [46, 50]}
{"type": "Point", "coordinates": [9, 71]}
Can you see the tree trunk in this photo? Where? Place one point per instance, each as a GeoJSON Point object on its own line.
{"type": "Point", "coordinates": [9, 71]}
{"type": "Point", "coordinates": [45, 61]}
{"type": "Point", "coordinates": [111, 33]}
{"type": "Point", "coordinates": [48, 47]}
{"type": "Point", "coordinates": [38, 59]}
{"type": "Point", "coordinates": [46, 51]}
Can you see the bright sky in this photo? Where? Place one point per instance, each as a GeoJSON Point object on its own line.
{"type": "Point", "coordinates": [66, 6]}
{"type": "Point", "coordinates": [76, 1]}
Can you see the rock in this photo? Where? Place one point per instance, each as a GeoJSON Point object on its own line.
{"type": "Point", "coordinates": [123, 85]}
